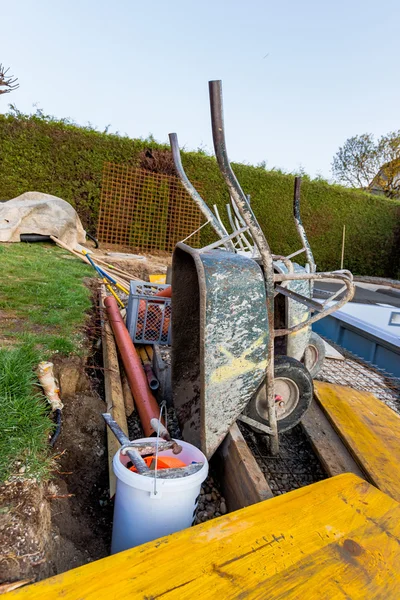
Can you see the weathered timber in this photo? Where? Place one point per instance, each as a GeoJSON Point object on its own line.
{"type": "Point", "coordinates": [243, 482]}
{"type": "Point", "coordinates": [332, 453]}
{"type": "Point", "coordinates": [369, 429]}
{"type": "Point", "coordinates": [335, 539]}
{"type": "Point", "coordinates": [113, 388]}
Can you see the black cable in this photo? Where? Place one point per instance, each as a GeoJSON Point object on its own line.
{"type": "Point", "coordinates": [57, 432]}
{"type": "Point", "coordinates": [91, 237]}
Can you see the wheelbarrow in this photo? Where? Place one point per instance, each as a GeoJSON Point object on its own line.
{"type": "Point", "coordinates": [228, 333]}
{"type": "Point", "coordinates": [305, 345]}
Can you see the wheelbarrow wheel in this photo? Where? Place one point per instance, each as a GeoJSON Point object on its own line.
{"type": "Point", "coordinates": [293, 388]}
{"type": "Point", "coordinates": [314, 354]}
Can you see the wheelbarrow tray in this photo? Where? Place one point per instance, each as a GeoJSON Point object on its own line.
{"type": "Point", "coordinates": [219, 340]}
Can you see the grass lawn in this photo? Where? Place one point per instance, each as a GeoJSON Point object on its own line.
{"type": "Point", "coordinates": [43, 306]}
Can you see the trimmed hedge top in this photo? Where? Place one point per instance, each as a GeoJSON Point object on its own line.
{"type": "Point", "coordinates": [39, 153]}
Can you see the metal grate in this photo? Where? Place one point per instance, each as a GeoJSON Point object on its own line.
{"type": "Point", "coordinates": [145, 211]}
{"type": "Point", "coordinates": [361, 375]}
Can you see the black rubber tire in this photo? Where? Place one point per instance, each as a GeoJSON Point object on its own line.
{"type": "Point", "coordinates": [288, 368]}
{"type": "Point", "coordinates": [318, 347]}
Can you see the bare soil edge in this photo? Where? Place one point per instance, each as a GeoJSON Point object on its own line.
{"type": "Point", "coordinates": [49, 528]}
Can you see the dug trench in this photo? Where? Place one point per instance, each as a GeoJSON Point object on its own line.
{"type": "Point", "coordinates": [48, 528]}
{"type": "Point", "coordinates": [51, 527]}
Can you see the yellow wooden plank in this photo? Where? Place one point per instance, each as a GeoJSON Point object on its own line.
{"type": "Point", "coordinates": [158, 278]}
{"type": "Point", "coordinates": [338, 538]}
{"type": "Point", "coordinates": [370, 430]}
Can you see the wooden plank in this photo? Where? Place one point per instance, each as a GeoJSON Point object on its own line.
{"type": "Point", "coordinates": [243, 482]}
{"type": "Point", "coordinates": [336, 539]}
{"type": "Point", "coordinates": [113, 388]}
{"type": "Point", "coordinates": [369, 429]}
{"type": "Point", "coordinates": [332, 453]}
{"type": "Point", "coordinates": [128, 398]}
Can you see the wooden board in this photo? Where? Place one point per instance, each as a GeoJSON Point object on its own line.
{"type": "Point", "coordinates": [243, 482]}
{"type": "Point", "coordinates": [332, 453]}
{"type": "Point", "coordinates": [113, 389]}
{"type": "Point", "coordinates": [336, 539]}
{"type": "Point", "coordinates": [369, 429]}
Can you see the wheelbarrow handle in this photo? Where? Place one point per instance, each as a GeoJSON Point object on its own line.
{"type": "Point", "coordinates": [299, 224]}
{"type": "Point", "coordinates": [207, 212]}
{"type": "Point", "coordinates": [348, 286]}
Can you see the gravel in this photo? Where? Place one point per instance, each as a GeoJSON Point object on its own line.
{"type": "Point", "coordinates": [296, 464]}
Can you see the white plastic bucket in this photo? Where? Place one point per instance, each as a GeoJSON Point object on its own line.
{"type": "Point", "coordinates": [140, 515]}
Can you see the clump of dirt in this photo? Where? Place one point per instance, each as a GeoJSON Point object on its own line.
{"type": "Point", "coordinates": [25, 526]}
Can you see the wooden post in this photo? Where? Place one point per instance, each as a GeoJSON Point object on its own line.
{"type": "Point", "coordinates": [113, 388]}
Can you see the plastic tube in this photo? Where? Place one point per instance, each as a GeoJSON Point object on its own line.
{"type": "Point", "coordinates": [145, 402]}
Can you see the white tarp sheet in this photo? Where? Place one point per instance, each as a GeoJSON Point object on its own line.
{"type": "Point", "coordinates": [34, 212]}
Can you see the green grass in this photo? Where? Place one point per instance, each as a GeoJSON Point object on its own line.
{"type": "Point", "coordinates": [44, 305]}
{"type": "Point", "coordinates": [24, 420]}
{"type": "Point", "coordinates": [42, 288]}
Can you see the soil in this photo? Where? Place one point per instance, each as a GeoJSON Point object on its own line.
{"type": "Point", "coordinates": [142, 268]}
{"type": "Point", "coordinates": [46, 529]}
{"type": "Point", "coordinates": [25, 530]}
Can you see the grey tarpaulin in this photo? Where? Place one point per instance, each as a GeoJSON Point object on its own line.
{"type": "Point", "coordinates": [34, 212]}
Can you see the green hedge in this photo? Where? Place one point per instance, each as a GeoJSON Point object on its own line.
{"type": "Point", "coordinates": [42, 154]}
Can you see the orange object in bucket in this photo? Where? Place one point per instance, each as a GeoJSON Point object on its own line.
{"type": "Point", "coordinates": [163, 462]}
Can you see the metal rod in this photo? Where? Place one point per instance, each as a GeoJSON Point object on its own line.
{"type": "Point", "coordinates": [256, 424]}
{"type": "Point", "coordinates": [207, 212]}
{"type": "Point", "coordinates": [327, 311]}
{"type": "Point", "coordinates": [309, 302]}
{"type": "Point", "coordinates": [299, 224]}
{"type": "Point", "coordinates": [343, 242]}
{"type": "Point", "coordinates": [215, 207]}
{"type": "Point", "coordinates": [134, 455]}
{"type": "Point", "coordinates": [239, 198]}
{"type": "Point", "coordinates": [228, 237]}
{"type": "Point", "coordinates": [138, 461]}
{"type": "Point", "coordinates": [296, 253]}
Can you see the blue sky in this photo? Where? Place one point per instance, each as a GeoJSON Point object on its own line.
{"type": "Point", "coordinates": [331, 70]}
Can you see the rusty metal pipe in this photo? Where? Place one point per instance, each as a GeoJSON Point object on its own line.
{"type": "Point", "coordinates": [243, 206]}
{"type": "Point", "coordinates": [145, 402]}
{"type": "Point", "coordinates": [299, 224]}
